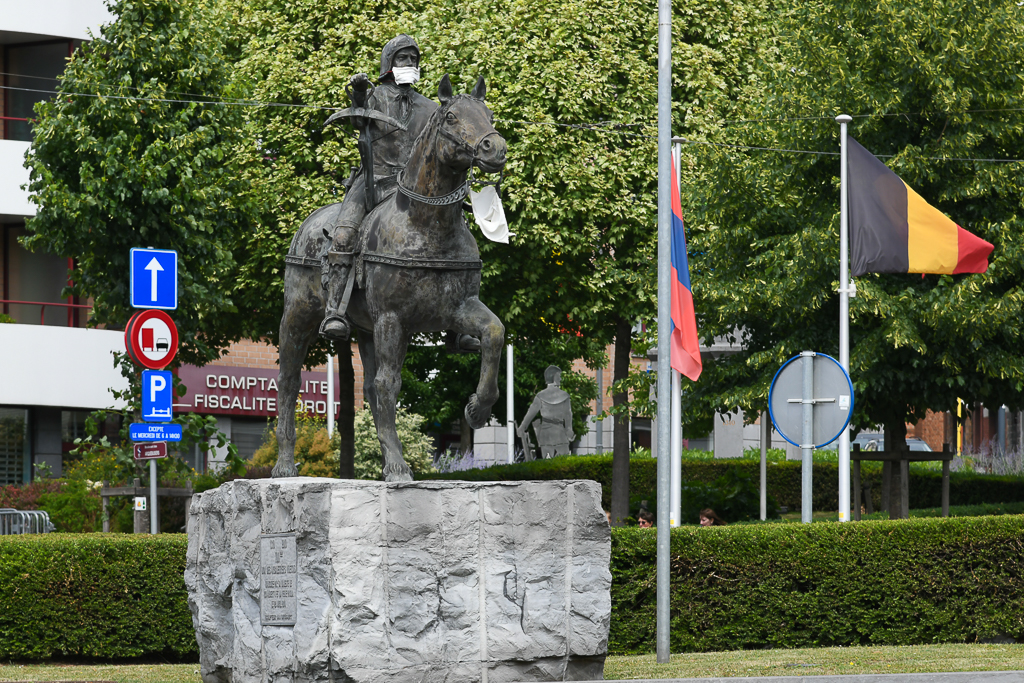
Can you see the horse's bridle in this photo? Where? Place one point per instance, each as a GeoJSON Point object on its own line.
{"type": "Point", "coordinates": [461, 192]}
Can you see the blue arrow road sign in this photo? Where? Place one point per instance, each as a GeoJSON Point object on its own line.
{"type": "Point", "coordinates": [157, 395]}
{"type": "Point", "coordinates": [140, 431]}
{"type": "Point", "coordinates": [154, 278]}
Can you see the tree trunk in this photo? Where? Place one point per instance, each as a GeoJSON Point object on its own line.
{"type": "Point", "coordinates": [895, 440]}
{"type": "Point", "coordinates": [620, 449]}
{"type": "Point", "coordinates": [347, 413]}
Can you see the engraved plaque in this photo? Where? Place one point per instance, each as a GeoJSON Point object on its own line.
{"type": "Point", "coordinates": [278, 574]}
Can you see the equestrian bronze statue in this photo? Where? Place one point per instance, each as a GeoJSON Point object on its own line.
{"type": "Point", "coordinates": [409, 264]}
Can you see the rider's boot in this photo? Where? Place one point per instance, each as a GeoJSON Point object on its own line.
{"type": "Point", "coordinates": [339, 281]}
{"type": "Point", "coordinates": [461, 343]}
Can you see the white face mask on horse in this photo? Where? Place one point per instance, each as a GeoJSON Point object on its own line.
{"type": "Point", "coordinates": [489, 214]}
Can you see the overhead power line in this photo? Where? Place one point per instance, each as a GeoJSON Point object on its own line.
{"type": "Point", "coordinates": [611, 127]}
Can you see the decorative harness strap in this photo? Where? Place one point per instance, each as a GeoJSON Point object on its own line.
{"type": "Point", "coordinates": [406, 262]}
{"type": "Point", "coordinates": [302, 261]}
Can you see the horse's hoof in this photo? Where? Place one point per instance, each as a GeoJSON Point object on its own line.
{"type": "Point", "coordinates": [397, 472]}
{"type": "Point", "coordinates": [281, 470]}
{"type": "Point", "coordinates": [476, 416]}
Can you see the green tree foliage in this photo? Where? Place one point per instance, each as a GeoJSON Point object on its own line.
{"type": "Point", "coordinates": [130, 155]}
{"type": "Point", "coordinates": [929, 86]}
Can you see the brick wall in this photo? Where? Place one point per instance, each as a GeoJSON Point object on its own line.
{"type": "Point", "coordinates": [259, 354]}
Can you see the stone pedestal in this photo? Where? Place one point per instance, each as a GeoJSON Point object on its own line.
{"type": "Point", "coordinates": [309, 579]}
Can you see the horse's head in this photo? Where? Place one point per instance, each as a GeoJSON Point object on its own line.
{"type": "Point", "coordinates": [467, 134]}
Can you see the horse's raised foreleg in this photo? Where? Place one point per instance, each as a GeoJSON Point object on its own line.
{"type": "Point", "coordinates": [302, 313]}
{"type": "Point", "coordinates": [476, 319]}
{"type": "Point", "coordinates": [391, 343]}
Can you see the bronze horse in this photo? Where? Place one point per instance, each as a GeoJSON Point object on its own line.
{"type": "Point", "coordinates": [418, 271]}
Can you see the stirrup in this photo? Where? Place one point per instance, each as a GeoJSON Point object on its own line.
{"type": "Point", "coordinates": [337, 335]}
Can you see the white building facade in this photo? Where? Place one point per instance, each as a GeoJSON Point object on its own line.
{"type": "Point", "coordinates": [53, 371]}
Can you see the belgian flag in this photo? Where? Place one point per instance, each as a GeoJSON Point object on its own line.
{"type": "Point", "coordinates": [893, 230]}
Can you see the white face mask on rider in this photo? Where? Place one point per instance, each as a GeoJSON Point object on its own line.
{"type": "Point", "coordinates": [405, 75]}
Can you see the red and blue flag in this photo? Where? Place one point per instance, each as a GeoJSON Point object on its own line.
{"type": "Point", "coordinates": [685, 357]}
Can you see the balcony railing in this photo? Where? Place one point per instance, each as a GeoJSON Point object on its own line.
{"type": "Point", "coordinates": [43, 304]}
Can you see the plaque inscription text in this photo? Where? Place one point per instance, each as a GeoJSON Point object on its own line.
{"type": "Point", "coordinates": [278, 574]}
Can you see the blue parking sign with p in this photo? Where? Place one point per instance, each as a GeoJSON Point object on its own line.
{"type": "Point", "coordinates": [157, 395]}
{"type": "Point", "coordinates": [154, 278]}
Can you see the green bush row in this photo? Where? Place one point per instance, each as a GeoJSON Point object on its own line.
{"type": "Point", "coordinates": [784, 479]}
{"type": "Point", "coordinates": [94, 595]}
{"type": "Point", "coordinates": [816, 585]}
{"type": "Point", "coordinates": [751, 586]}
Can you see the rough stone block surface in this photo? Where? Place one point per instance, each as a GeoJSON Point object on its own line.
{"type": "Point", "coordinates": [423, 581]}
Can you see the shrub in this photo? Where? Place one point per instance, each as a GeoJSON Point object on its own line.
{"type": "Point", "coordinates": [314, 454]}
{"type": "Point", "coordinates": [94, 595]}
{"type": "Point", "coordinates": [417, 447]}
{"type": "Point", "coordinates": [784, 479]}
{"type": "Point", "coordinates": [76, 507]}
{"type": "Point", "coordinates": [821, 585]}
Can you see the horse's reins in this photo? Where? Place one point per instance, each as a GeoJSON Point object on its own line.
{"type": "Point", "coordinates": [461, 192]}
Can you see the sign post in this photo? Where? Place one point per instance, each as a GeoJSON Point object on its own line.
{"type": "Point", "coordinates": [151, 339]}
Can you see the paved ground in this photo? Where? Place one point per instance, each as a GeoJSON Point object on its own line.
{"type": "Point", "coordinates": [960, 677]}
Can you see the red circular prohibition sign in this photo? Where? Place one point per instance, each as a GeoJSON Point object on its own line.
{"type": "Point", "coordinates": [151, 338]}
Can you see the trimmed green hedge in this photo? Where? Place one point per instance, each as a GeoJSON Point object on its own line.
{"type": "Point", "coordinates": [776, 585]}
{"type": "Point", "coordinates": [94, 595]}
{"type": "Point", "coordinates": [817, 585]}
{"type": "Point", "coordinates": [784, 479]}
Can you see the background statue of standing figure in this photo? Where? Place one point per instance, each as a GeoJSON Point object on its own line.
{"type": "Point", "coordinates": [554, 430]}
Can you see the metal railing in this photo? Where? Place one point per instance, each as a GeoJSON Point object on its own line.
{"type": "Point", "coordinates": [24, 522]}
{"type": "Point", "coordinates": [44, 304]}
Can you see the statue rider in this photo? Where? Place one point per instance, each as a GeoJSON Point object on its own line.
{"type": "Point", "coordinates": [387, 148]}
{"type": "Point", "coordinates": [554, 432]}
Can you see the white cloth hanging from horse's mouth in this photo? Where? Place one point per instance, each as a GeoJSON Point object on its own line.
{"type": "Point", "coordinates": [489, 214]}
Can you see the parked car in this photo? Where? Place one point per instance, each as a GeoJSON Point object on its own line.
{"type": "Point", "coordinates": [873, 441]}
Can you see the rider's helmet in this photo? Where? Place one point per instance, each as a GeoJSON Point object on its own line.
{"type": "Point", "coordinates": [394, 45]}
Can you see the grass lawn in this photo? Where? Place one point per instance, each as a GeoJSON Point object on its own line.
{"type": "Point", "coordinates": [808, 662]}
{"type": "Point", "coordinates": [822, 661]}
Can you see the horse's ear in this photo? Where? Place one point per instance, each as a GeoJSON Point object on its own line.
{"type": "Point", "coordinates": [444, 89]}
{"type": "Point", "coordinates": [479, 90]}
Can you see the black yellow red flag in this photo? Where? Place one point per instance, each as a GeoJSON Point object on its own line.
{"type": "Point", "coordinates": [893, 230]}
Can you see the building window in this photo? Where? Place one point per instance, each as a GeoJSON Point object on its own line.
{"type": "Point", "coordinates": [249, 435]}
{"type": "Point", "coordinates": [14, 445]}
{"type": "Point", "coordinates": [31, 68]}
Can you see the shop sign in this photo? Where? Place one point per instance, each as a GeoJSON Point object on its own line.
{"type": "Point", "coordinates": [251, 392]}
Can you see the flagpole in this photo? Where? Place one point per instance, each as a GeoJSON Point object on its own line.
{"type": "Point", "coordinates": [676, 476]}
{"type": "Point", "coordinates": [844, 314]}
{"type": "Point", "coordinates": [664, 321]}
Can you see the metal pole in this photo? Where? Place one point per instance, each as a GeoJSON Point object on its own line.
{"type": "Point", "coordinates": [676, 476]}
{"type": "Point", "coordinates": [600, 409]}
{"type": "Point", "coordinates": [664, 317]}
{"type": "Point", "coordinates": [807, 438]}
{"type": "Point", "coordinates": [154, 515]}
{"type": "Point", "coordinates": [844, 314]}
{"type": "Point", "coordinates": [765, 432]}
{"type": "Point", "coordinates": [330, 395]}
{"type": "Point", "coordinates": [510, 413]}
